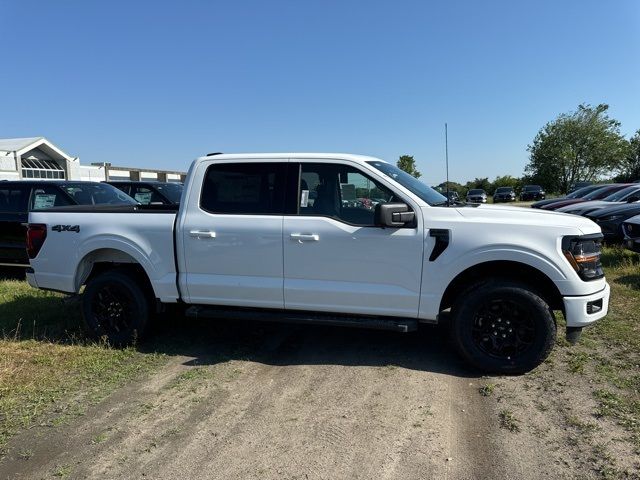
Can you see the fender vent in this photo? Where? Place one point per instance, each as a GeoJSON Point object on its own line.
{"type": "Point", "coordinates": [442, 242]}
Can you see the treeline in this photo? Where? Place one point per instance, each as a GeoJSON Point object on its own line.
{"type": "Point", "coordinates": [580, 146]}
{"type": "Point", "coordinates": [485, 184]}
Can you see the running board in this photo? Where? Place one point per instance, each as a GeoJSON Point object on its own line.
{"type": "Point", "coordinates": [306, 318]}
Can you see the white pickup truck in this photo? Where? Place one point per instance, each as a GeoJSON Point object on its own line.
{"type": "Point", "coordinates": [328, 239]}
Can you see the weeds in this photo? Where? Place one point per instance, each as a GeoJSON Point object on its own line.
{"type": "Point", "coordinates": [508, 421]}
{"type": "Point", "coordinates": [487, 389]}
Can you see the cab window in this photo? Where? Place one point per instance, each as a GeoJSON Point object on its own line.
{"type": "Point", "coordinates": [340, 191]}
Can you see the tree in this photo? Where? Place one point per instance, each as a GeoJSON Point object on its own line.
{"type": "Point", "coordinates": [506, 181]}
{"type": "Point", "coordinates": [408, 164]}
{"type": "Point", "coordinates": [576, 146]}
{"type": "Point", "coordinates": [630, 169]}
{"type": "Point", "coordinates": [453, 187]}
{"type": "Point", "coordinates": [482, 183]}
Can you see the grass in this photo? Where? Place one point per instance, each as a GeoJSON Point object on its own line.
{"type": "Point", "coordinates": [608, 359]}
{"type": "Point", "coordinates": [49, 372]}
{"type": "Point", "coordinates": [487, 389]}
{"type": "Point", "coordinates": [509, 421]}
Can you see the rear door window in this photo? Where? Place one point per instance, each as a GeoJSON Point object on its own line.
{"type": "Point", "coordinates": [244, 188]}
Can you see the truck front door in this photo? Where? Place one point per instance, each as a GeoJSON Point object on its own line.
{"type": "Point", "coordinates": [336, 259]}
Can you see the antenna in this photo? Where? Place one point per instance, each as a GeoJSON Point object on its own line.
{"type": "Point", "coordinates": [446, 156]}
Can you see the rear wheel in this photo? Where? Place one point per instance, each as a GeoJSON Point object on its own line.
{"type": "Point", "coordinates": [503, 327]}
{"type": "Point", "coordinates": [115, 308]}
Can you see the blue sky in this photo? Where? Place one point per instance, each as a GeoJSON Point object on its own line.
{"type": "Point", "coordinates": [156, 84]}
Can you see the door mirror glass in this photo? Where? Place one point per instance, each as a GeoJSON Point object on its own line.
{"type": "Point", "coordinates": [393, 215]}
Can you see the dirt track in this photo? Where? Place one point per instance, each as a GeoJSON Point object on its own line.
{"type": "Point", "coordinates": [278, 401]}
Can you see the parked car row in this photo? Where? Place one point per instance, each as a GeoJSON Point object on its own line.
{"type": "Point", "coordinates": [18, 198]}
{"type": "Point", "coordinates": [506, 194]}
{"type": "Point", "coordinates": [608, 205]}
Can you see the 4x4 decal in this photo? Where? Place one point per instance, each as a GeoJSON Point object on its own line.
{"type": "Point", "coordinates": [66, 228]}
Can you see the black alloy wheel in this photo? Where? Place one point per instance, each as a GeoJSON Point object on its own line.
{"type": "Point", "coordinates": [115, 308]}
{"type": "Point", "coordinates": [500, 326]}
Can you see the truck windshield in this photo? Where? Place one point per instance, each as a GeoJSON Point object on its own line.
{"type": "Point", "coordinates": [411, 183]}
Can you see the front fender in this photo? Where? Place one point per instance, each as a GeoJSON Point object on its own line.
{"type": "Point", "coordinates": [438, 275]}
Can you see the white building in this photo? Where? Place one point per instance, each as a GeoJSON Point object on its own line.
{"type": "Point", "coordinates": [37, 157]}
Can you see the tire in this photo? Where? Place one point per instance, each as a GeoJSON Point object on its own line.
{"type": "Point", "coordinates": [502, 327]}
{"type": "Point", "coordinates": [115, 308]}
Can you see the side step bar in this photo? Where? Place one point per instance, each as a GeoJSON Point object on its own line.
{"type": "Point", "coordinates": [306, 318]}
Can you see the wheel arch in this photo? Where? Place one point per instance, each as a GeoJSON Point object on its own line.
{"type": "Point", "coordinates": [101, 260]}
{"type": "Point", "coordinates": [505, 270]}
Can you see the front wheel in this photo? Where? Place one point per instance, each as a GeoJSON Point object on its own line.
{"type": "Point", "coordinates": [503, 327]}
{"type": "Point", "coordinates": [115, 308]}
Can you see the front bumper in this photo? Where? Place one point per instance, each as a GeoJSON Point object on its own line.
{"type": "Point", "coordinates": [586, 309]}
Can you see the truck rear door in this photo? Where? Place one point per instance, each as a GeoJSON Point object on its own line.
{"type": "Point", "coordinates": [232, 235]}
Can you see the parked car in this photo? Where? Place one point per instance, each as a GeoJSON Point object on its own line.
{"type": "Point", "coordinates": [504, 194]}
{"type": "Point", "coordinates": [19, 197]}
{"type": "Point", "coordinates": [477, 195]}
{"type": "Point", "coordinates": [578, 186]}
{"type": "Point", "coordinates": [532, 192]}
{"type": "Point", "coordinates": [610, 220]}
{"type": "Point", "coordinates": [598, 194]}
{"type": "Point", "coordinates": [631, 230]}
{"type": "Point", "coordinates": [626, 195]}
{"type": "Point", "coordinates": [582, 192]}
{"type": "Point", "coordinates": [151, 193]}
{"type": "Point", "coordinates": [452, 195]}
{"type": "Point", "coordinates": [246, 243]}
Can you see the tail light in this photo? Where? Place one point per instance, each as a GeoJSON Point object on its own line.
{"type": "Point", "coordinates": [583, 253]}
{"type": "Point", "coordinates": [36, 235]}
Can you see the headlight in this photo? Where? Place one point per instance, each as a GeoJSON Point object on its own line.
{"type": "Point", "coordinates": [583, 253]}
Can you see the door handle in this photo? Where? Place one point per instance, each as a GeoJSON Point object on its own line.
{"type": "Point", "coordinates": [305, 237]}
{"type": "Point", "coordinates": [202, 234]}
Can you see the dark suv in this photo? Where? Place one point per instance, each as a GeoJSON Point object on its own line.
{"type": "Point", "coordinates": [151, 193]}
{"type": "Point", "coordinates": [504, 194]}
{"type": "Point", "coordinates": [476, 195]}
{"type": "Point", "coordinates": [18, 198]}
{"type": "Point", "coordinates": [532, 192]}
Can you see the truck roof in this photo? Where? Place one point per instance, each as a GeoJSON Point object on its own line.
{"type": "Point", "coordinates": [274, 156]}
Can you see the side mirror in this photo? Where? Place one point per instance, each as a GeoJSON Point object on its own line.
{"type": "Point", "coordinates": [393, 215]}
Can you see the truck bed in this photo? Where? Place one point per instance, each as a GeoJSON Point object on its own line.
{"type": "Point", "coordinates": [79, 236]}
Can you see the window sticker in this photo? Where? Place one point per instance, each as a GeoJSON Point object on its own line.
{"type": "Point", "coordinates": [304, 198]}
{"type": "Point", "coordinates": [143, 198]}
{"type": "Point", "coordinates": [43, 200]}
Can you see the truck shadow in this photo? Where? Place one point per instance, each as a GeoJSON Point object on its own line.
{"type": "Point", "coordinates": [632, 281]}
{"type": "Point", "coordinates": [213, 341]}
{"type": "Point", "coordinates": [12, 273]}
{"type": "Point", "coordinates": [206, 341]}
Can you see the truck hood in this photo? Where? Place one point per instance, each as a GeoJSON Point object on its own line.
{"type": "Point", "coordinates": [527, 216]}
